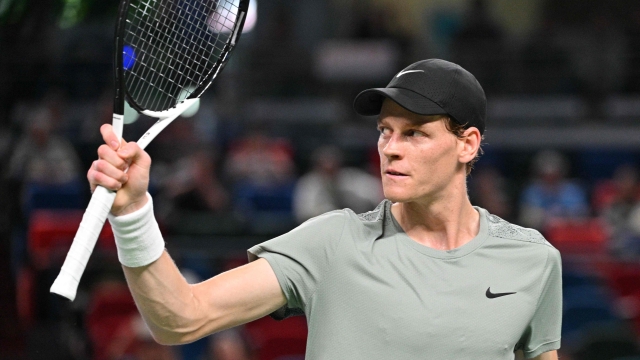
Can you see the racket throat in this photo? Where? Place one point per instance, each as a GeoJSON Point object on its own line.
{"type": "Point", "coordinates": [164, 119]}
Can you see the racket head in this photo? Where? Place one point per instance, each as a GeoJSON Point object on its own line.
{"type": "Point", "coordinates": [171, 50]}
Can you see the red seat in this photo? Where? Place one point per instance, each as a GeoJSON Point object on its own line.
{"type": "Point", "coordinates": [577, 236]}
{"type": "Point", "coordinates": [25, 298]}
{"type": "Point", "coordinates": [624, 278]}
{"type": "Point", "coordinates": [283, 348]}
{"type": "Point", "coordinates": [278, 339]}
{"type": "Point", "coordinates": [50, 233]}
{"type": "Point", "coordinates": [634, 304]}
{"type": "Point", "coordinates": [109, 319]}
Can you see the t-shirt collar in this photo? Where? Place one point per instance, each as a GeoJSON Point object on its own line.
{"type": "Point", "coordinates": [463, 250]}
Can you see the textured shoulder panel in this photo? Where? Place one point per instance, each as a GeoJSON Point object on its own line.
{"type": "Point", "coordinates": [502, 229]}
{"type": "Point", "coordinates": [374, 215]}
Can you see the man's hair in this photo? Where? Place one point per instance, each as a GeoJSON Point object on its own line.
{"type": "Point", "coordinates": [458, 129]}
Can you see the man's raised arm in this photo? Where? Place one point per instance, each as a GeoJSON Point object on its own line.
{"type": "Point", "coordinates": [175, 311]}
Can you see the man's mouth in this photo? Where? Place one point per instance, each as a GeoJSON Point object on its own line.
{"type": "Point", "coordinates": [395, 173]}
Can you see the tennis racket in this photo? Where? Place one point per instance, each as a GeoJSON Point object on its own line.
{"type": "Point", "coordinates": [167, 53]}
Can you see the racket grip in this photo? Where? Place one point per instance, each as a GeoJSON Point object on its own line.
{"type": "Point", "coordinates": [66, 284]}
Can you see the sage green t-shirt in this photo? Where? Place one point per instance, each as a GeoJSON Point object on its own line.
{"type": "Point", "coordinates": [369, 291]}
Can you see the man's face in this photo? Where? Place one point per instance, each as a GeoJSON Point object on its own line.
{"type": "Point", "coordinates": [419, 157]}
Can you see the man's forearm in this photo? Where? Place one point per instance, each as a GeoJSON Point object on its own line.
{"type": "Point", "coordinates": [165, 300]}
{"type": "Point", "coordinates": [163, 296]}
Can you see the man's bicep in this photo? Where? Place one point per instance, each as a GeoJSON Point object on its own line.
{"type": "Point", "coordinates": [239, 295]}
{"type": "Point", "coordinates": [543, 332]}
{"type": "Point", "coordinates": [549, 355]}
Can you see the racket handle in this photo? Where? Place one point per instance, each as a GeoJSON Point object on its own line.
{"type": "Point", "coordinates": [66, 284]}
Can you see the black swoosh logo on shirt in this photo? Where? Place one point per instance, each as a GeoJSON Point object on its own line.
{"type": "Point", "coordinates": [491, 295]}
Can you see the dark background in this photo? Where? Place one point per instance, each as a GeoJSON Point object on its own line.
{"type": "Point", "coordinates": [560, 76]}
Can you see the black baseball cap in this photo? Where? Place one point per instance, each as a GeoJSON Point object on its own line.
{"type": "Point", "coordinates": [431, 87]}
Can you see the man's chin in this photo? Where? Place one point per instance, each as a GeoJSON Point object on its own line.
{"type": "Point", "coordinates": [397, 197]}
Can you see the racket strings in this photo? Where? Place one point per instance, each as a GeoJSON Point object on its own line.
{"type": "Point", "coordinates": [154, 61]}
{"type": "Point", "coordinates": [183, 29]}
{"type": "Point", "coordinates": [175, 46]}
{"type": "Point", "coordinates": [181, 69]}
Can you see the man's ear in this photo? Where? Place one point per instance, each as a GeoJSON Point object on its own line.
{"type": "Point", "coordinates": [469, 144]}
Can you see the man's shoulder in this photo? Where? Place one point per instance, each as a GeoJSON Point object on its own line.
{"type": "Point", "coordinates": [502, 229]}
{"type": "Point", "coordinates": [368, 226]}
{"type": "Point", "coordinates": [375, 215]}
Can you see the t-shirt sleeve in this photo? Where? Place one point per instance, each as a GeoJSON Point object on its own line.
{"type": "Point", "coordinates": [543, 332]}
{"type": "Point", "coordinates": [301, 257]}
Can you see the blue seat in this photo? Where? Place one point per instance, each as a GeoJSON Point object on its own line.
{"type": "Point", "coordinates": [587, 296]}
{"type": "Point", "coordinates": [616, 342]}
{"type": "Point", "coordinates": [582, 318]}
{"type": "Point", "coordinates": [70, 195]}
{"type": "Point", "coordinates": [261, 198]}
{"type": "Point", "coordinates": [596, 164]}
{"type": "Point", "coordinates": [574, 278]}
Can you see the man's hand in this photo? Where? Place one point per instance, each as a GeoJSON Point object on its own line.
{"type": "Point", "coordinates": [122, 167]}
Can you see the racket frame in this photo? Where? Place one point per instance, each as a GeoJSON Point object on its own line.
{"type": "Point", "coordinates": [243, 7]}
{"type": "Point", "coordinates": [66, 283]}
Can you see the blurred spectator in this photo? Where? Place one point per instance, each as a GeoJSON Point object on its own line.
{"type": "Point", "coordinates": [45, 165]}
{"type": "Point", "coordinates": [41, 156]}
{"type": "Point", "coordinates": [115, 328]}
{"type": "Point", "coordinates": [479, 46]}
{"type": "Point", "coordinates": [619, 204]}
{"type": "Point", "coordinates": [194, 185]}
{"type": "Point", "coordinates": [260, 160]}
{"type": "Point", "coordinates": [135, 343]}
{"type": "Point", "coordinates": [229, 345]}
{"type": "Point", "coordinates": [261, 170]}
{"type": "Point", "coordinates": [551, 195]}
{"type": "Point", "coordinates": [329, 186]}
{"type": "Point", "coordinates": [488, 189]}
{"type": "Point", "coordinates": [621, 192]}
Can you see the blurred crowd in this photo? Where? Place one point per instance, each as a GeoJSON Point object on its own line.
{"type": "Point", "coordinates": [256, 186]}
{"type": "Point", "coordinates": [246, 167]}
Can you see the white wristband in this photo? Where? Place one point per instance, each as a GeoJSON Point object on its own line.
{"type": "Point", "coordinates": [138, 236]}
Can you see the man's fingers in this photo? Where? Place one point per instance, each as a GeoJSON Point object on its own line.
{"type": "Point", "coordinates": [97, 177]}
{"type": "Point", "coordinates": [106, 153]}
{"type": "Point", "coordinates": [132, 153]}
{"type": "Point", "coordinates": [110, 170]}
{"type": "Point", "coordinates": [109, 136]}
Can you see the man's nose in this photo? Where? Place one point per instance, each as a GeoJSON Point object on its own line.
{"type": "Point", "coordinates": [392, 148]}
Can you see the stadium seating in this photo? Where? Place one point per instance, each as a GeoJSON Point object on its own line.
{"type": "Point", "coordinates": [624, 278]}
{"type": "Point", "coordinates": [109, 318]}
{"type": "Point", "coordinates": [45, 196]}
{"type": "Point", "coordinates": [279, 340]}
{"type": "Point", "coordinates": [51, 232]}
{"type": "Point", "coordinates": [586, 236]}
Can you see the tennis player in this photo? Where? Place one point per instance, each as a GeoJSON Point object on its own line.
{"type": "Point", "coordinates": [425, 275]}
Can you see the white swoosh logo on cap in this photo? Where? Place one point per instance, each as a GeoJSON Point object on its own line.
{"type": "Point", "coordinates": [407, 71]}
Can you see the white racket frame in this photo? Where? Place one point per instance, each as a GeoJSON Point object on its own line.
{"type": "Point", "coordinates": [66, 284]}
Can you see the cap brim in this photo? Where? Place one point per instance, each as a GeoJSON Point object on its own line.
{"type": "Point", "coordinates": [369, 102]}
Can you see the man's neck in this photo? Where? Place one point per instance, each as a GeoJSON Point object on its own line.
{"type": "Point", "coordinates": [441, 225]}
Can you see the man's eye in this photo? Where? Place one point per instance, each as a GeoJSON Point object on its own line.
{"type": "Point", "coordinates": [383, 130]}
{"type": "Point", "coordinates": [414, 133]}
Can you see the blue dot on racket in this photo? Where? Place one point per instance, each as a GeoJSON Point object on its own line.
{"type": "Point", "coordinates": [128, 57]}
